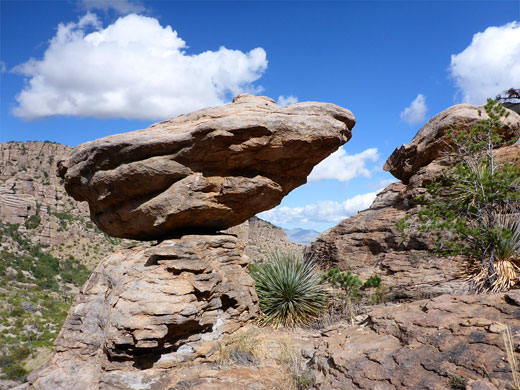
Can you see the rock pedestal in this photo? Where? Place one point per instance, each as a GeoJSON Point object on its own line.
{"type": "Point", "coordinates": [151, 308]}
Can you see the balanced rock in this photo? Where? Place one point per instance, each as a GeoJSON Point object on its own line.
{"type": "Point", "coordinates": [431, 142]}
{"type": "Point", "coordinates": [205, 171]}
{"type": "Point", "coordinates": [146, 310]}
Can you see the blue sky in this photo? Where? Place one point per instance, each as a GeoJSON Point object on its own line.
{"type": "Point", "coordinates": [73, 71]}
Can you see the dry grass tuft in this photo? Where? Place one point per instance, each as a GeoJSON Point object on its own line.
{"type": "Point", "coordinates": [511, 356]}
{"type": "Point", "coordinates": [262, 347]}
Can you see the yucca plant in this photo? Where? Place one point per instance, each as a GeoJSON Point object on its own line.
{"type": "Point", "coordinates": [507, 252]}
{"type": "Point", "coordinates": [506, 255]}
{"type": "Point", "coordinates": [289, 289]}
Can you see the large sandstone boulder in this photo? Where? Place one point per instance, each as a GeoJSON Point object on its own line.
{"type": "Point", "coordinates": [431, 142]}
{"type": "Point", "coordinates": [205, 171]}
{"type": "Point", "coordinates": [146, 310]}
{"type": "Point", "coordinates": [422, 345]}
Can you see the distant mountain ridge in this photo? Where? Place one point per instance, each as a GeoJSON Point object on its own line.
{"type": "Point", "coordinates": [301, 236]}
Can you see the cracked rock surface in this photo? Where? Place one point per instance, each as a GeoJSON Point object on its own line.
{"type": "Point", "coordinates": [431, 142]}
{"type": "Point", "coordinates": [420, 345]}
{"type": "Point", "coordinates": [205, 171]}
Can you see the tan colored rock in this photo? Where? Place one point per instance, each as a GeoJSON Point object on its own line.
{"type": "Point", "coordinates": [151, 308]}
{"type": "Point", "coordinates": [29, 187]}
{"type": "Point", "coordinates": [430, 143]}
{"type": "Point", "coordinates": [205, 171]}
{"type": "Point", "coordinates": [264, 238]}
{"type": "Point", "coordinates": [420, 345]}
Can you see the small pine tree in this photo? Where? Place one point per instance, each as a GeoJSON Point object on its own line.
{"type": "Point", "coordinates": [473, 209]}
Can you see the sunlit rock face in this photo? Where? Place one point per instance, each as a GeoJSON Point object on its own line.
{"type": "Point", "coordinates": [370, 242]}
{"type": "Point", "coordinates": [205, 171]}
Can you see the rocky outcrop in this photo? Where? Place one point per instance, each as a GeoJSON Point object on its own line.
{"type": "Point", "coordinates": [146, 310]}
{"type": "Point", "coordinates": [50, 222]}
{"type": "Point", "coordinates": [370, 243]}
{"type": "Point", "coordinates": [205, 171]}
{"type": "Point", "coordinates": [422, 345]}
{"type": "Point", "coordinates": [265, 238]}
{"type": "Point", "coordinates": [431, 142]}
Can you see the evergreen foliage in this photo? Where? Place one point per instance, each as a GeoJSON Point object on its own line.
{"type": "Point", "coordinates": [473, 209]}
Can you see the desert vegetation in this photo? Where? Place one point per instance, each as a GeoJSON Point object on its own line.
{"type": "Point", "coordinates": [293, 290]}
{"type": "Point", "coordinates": [36, 291]}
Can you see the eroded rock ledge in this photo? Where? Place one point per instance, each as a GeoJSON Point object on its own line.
{"type": "Point", "coordinates": [370, 243]}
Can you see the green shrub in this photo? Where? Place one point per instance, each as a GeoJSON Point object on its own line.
{"type": "Point", "coordinates": [11, 364]}
{"type": "Point", "coordinates": [350, 283]}
{"type": "Point", "coordinates": [289, 288]}
{"type": "Point", "coordinates": [32, 222]}
{"type": "Point", "coordinates": [352, 286]}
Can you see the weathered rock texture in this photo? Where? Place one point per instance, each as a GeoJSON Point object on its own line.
{"type": "Point", "coordinates": [369, 242]}
{"type": "Point", "coordinates": [149, 309]}
{"type": "Point", "coordinates": [28, 190]}
{"type": "Point", "coordinates": [431, 142]}
{"type": "Point", "coordinates": [205, 171]}
{"type": "Point", "coordinates": [420, 345]}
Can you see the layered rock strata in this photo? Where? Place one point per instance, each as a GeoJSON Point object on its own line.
{"type": "Point", "coordinates": [147, 309]}
{"type": "Point", "coordinates": [205, 171]}
{"type": "Point", "coordinates": [29, 190]}
{"type": "Point", "coordinates": [370, 243]}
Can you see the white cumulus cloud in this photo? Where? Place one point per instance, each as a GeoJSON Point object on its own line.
{"type": "Point", "coordinates": [286, 100]}
{"type": "Point", "coordinates": [122, 6]}
{"type": "Point", "coordinates": [3, 68]}
{"type": "Point", "coordinates": [134, 68]}
{"type": "Point", "coordinates": [489, 65]}
{"type": "Point", "coordinates": [416, 111]}
{"type": "Point", "coordinates": [320, 212]}
{"type": "Point", "coordinates": [344, 167]}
